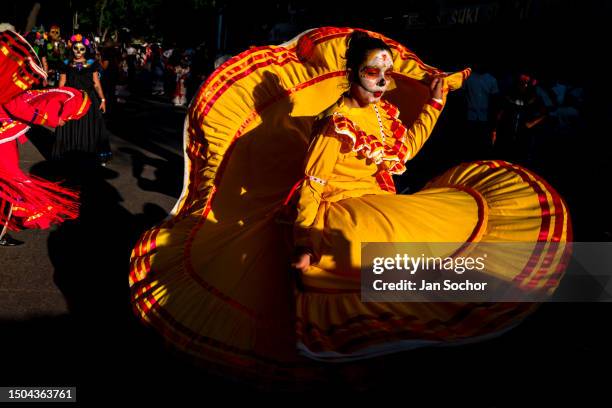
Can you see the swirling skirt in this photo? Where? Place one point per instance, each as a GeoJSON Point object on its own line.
{"type": "Point", "coordinates": [28, 201]}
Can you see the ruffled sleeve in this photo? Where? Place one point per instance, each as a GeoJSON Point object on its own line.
{"type": "Point", "coordinates": [320, 162]}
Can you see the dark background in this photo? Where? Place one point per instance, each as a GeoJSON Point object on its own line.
{"type": "Point", "coordinates": [545, 32]}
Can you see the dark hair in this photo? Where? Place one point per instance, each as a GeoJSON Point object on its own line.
{"type": "Point", "coordinates": [358, 46]}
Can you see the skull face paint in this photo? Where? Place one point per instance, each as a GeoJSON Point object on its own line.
{"type": "Point", "coordinates": [78, 50]}
{"type": "Point", "coordinates": [54, 33]}
{"type": "Point", "coordinates": [375, 74]}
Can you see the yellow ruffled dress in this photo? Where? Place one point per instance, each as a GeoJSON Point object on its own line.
{"type": "Point", "coordinates": [344, 201]}
{"type": "Point", "coordinates": [214, 279]}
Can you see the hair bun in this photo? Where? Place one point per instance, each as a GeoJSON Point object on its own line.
{"type": "Point", "coordinates": [357, 36]}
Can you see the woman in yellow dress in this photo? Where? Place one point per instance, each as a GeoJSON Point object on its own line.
{"type": "Point", "coordinates": [214, 278]}
{"type": "Point", "coordinates": [353, 156]}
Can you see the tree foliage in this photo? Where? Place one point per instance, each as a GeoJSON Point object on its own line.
{"type": "Point", "coordinates": [154, 19]}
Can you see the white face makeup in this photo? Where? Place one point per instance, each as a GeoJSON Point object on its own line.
{"type": "Point", "coordinates": [54, 33]}
{"type": "Point", "coordinates": [375, 74]}
{"type": "Point", "coordinates": [78, 50]}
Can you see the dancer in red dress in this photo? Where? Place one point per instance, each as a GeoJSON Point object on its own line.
{"type": "Point", "coordinates": [27, 201]}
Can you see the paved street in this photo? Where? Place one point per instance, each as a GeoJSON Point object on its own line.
{"type": "Point", "coordinates": [65, 317]}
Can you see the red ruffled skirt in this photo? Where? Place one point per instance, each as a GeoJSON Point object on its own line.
{"type": "Point", "coordinates": [28, 201]}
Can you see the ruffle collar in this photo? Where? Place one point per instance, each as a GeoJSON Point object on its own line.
{"type": "Point", "coordinates": [389, 157]}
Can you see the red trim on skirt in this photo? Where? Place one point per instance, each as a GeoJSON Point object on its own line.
{"type": "Point", "coordinates": [36, 203]}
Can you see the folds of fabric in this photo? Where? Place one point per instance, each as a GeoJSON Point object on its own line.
{"type": "Point", "coordinates": [213, 279]}
{"type": "Point", "coordinates": [19, 66]}
{"type": "Point", "coordinates": [86, 135]}
{"type": "Point", "coordinates": [488, 201]}
{"type": "Point", "coordinates": [45, 107]}
{"type": "Point", "coordinates": [478, 202]}
{"type": "Point", "coordinates": [29, 201]}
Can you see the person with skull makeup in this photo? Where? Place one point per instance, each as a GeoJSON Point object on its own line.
{"type": "Point", "coordinates": [348, 197]}
{"type": "Point", "coordinates": [360, 121]}
{"type": "Point", "coordinates": [53, 55]}
{"type": "Point", "coordinates": [88, 135]}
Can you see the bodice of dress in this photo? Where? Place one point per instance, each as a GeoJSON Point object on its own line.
{"type": "Point", "coordinates": [352, 173]}
{"type": "Point", "coordinates": [347, 157]}
{"type": "Point", "coordinates": [80, 76]}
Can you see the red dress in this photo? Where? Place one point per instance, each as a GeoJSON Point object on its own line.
{"type": "Point", "coordinates": [27, 201]}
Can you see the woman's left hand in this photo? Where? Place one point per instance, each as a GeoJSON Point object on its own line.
{"type": "Point", "coordinates": [437, 87]}
{"type": "Point", "coordinates": [103, 106]}
{"type": "Point", "coordinates": [302, 262]}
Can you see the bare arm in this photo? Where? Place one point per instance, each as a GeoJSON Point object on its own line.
{"type": "Point", "coordinates": [98, 88]}
{"type": "Point", "coordinates": [62, 81]}
{"type": "Point", "coordinates": [45, 63]}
